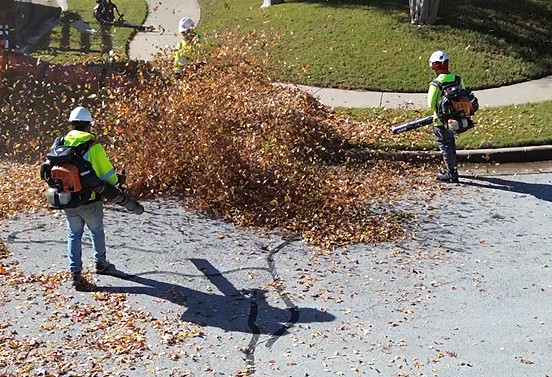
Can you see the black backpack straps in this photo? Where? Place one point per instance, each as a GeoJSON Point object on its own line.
{"type": "Point", "coordinates": [458, 80]}
{"type": "Point", "coordinates": [81, 149]}
{"type": "Point", "coordinates": [444, 85]}
{"type": "Point", "coordinates": [438, 84]}
{"type": "Point", "coordinates": [57, 142]}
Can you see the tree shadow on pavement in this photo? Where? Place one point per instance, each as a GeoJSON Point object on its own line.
{"type": "Point", "coordinates": [235, 310]}
{"type": "Point", "coordinates": [538, 190]}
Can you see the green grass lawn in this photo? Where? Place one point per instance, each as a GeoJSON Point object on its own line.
{"type": "Point", "coordinates": [499, 127]}
{"type": "Point", "coordinates": [371, 45]}
{"type": "Point", "coordinates": [66, 44]}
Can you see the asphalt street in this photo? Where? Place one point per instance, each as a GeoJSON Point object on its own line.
{"type": "Point", "coordinates": [468, 293]}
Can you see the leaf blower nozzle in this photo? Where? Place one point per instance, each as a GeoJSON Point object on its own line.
{"type": "Point", "coordinates": [412, 125]}
{"type": "Point", "coordinates": [130, 204]}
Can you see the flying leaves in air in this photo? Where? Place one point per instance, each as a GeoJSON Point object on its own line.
{"type": "Point", "coordinates": [225, 139]}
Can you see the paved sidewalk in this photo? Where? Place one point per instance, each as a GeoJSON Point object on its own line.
{"type": "Point", "coordinates": [164, 16]}
{"type": "Point", "coordinates": [526, 92]}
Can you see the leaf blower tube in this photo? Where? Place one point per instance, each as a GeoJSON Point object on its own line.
{"type": "Point", "coordinates": [108, 191]}
{"type": "Point", "coordinates": [412, 125]}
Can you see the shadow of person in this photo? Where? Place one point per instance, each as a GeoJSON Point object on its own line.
{"type": "Point", "coordinates": [538, 190]}
{"type": "Point", "coordinates": [71, 22]}
{"type": "Point", "coordinates": [234, 310]}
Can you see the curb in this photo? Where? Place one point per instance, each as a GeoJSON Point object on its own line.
{"type": "Point", "coordinates": [515, 154]}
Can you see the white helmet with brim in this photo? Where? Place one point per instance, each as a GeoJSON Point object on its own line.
{"type": "Point", "coordinates": [80, 114]}
{"type": "Point", "coordinates": [438, 60]}
{"type": "Point", "coordinates": [185, 24]}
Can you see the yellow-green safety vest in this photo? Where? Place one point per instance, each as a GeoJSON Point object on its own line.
{"type": "Point", "coordinates": [96, 155]}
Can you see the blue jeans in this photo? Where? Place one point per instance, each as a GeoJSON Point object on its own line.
{"type": "Point", "coordinates": [91, 215]}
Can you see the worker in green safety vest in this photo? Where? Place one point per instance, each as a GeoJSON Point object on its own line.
{"type": "Point", "coordinates": [190, 49]}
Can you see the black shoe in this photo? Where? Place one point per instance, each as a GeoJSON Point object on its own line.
{"type": "Point", "coordinates": [77, 279]}
{"type": "Point", "coordinates": [448, 177]}
{"type": "Point", "coordinates": [102, 267]}
{"type": "Point", "coordinates": [79, 282]}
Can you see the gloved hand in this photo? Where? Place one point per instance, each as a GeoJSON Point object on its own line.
{"type": "Point", "coordinates": [122, 178]}
{"type": "Point", "coordinates": [130, 204]}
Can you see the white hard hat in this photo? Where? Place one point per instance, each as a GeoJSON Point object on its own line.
{"type": "Point", "coordinates": [437, 59]}
{"type": "Point", "coordinates": [185, 24]}
{"type": "Point", "coordinates": [80, 114]}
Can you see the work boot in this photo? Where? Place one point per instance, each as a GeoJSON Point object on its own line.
{"type": "Point", "coordinates": [79, 282]}
{"type": "Point", "coordinates": [448, 177]}
{"type": "Point", "coordinates": [102, 267]}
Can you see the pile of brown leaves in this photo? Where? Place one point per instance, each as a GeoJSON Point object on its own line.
{"type": "Point", "coordinates": [226, 139]}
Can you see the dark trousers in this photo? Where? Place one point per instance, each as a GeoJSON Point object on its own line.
{"type": "Point", "coordinates": [444, 137]}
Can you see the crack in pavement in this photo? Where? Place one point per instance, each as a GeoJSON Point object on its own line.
{"type": "Point", "coordinates": [278, 284]}
{"type": "Point", "coordinates": [253, 296]}
{"type": "Point", "coordinates": [249, 304]}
